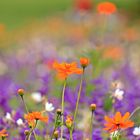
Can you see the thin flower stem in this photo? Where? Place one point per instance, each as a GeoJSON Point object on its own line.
{"type": "Point", "coordinates": [91, 125]}
{"type": "Point", "coordinates": [26, 108]}
{"type": "Point", "coordinates": [78, 98]}
{"type": "Point", "coordinates": [71, 137]}
{"type": "Point", "coordinates": [138, 108]}
{"type": "Point", "coordinates": [62, 106]}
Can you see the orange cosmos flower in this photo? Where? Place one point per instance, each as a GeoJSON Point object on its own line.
{"type": "Point", "coordinates": [118, 122]}
{"type": "Point", "coordinates": [84, 5]}
{"type": "Point", "coordinates": [66, 69]}
{"type": "Point", "coordinates": [106, 8]}
{"type": "Point", "coordinates": [34, 116]}
{"type": "Point", "coordinates": [3, 133]}
{"type": "Point", "coordinates": [84, 62]}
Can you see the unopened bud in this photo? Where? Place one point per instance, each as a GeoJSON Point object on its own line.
{"type": "Point", "coordinates": [93, 107]}
{"type": "Point", "coordinates": [26, 132]}
{"type": "Point", "coordinates": [21, 92]}
{"type": "Point", "coordinates": [56, 132]}
{"type": "Point", "coordinates": [59, 111]}
{"type": "Point", "coordinates": [84, 62]}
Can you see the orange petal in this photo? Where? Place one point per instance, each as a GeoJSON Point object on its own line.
{"type": "Point", "coordinates": [126, 116]}
{"type": "Point", "coordinates": [118, 117]}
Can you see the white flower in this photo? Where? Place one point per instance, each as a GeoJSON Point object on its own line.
{"type": "Point", "coordinates": [8, 116]}
{"type": "Point", "coordinates": [119, 94]}
{"type": "Point", "coordinates": [19, 122]}
{"type": "Point", "coordinates": [49, 107]}
{"type": "Point", "coordinates": [36, 96]}
{"type": "Point", "coordinates": [136, 131]}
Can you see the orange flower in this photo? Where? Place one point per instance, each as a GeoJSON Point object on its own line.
{"type": "Point", "coordinates": [69, 121]}
{"type": "Point", "coordinates": [84, 62]}
{"type": "Point", "coordinates": [3, 133]}
{"type": "Point", "coordinates": [66, 69]}
{"type": "Point", "coordinates": [84, 5]}
{"type": "Point", "coordinates": [118, 122]}
{"type": "Point", "coordinates": [34, 116]}
{"type": "Point", "coordinates": [114, 53]}
{"type": "Point", "coordinates": [106, 8]}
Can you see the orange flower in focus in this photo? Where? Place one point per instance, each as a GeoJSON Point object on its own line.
{"type": "Point", "coordinates": [118, 122]}
{"type": "Point", "coordinates": [34, 116]}
{"type": "Point", "coordinates": [84, 62]}
{"type": "Point", "coordinates": [66, 69]}
{"type": "Point", "coordinates": [114, 53]}
{"type": "Point", "coordinates": [84, 5]}
{"type": "Point", "coordinates": [106, 8]}
{"type": "Point", "coordinates": [3, 133]}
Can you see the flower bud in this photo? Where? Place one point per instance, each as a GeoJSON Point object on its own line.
{"type": "Point", "coordinates": [26, 132]}
{"type": "Point", "coordinates": [69, 121]}
{"type": "Point", "coordinates": [84, 62]}
{"type": "Point", "coordinates": [21, 92]}
{"type": "Point", "coordinates": [59, 111]}
{"type": "Point", "coordinates": [93, 107]}
{"type": "Point", "coordinates": [56, 132]}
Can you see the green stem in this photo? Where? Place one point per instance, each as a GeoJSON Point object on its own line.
{"type": "Point", "coordinates": [71, 137]}
{"type": "Point", "coordinates": [91, 125]}
{"type": "Point", "coordinates": [78, 98]}
{"type": "Point", "coordinates": [62, 106]}
{"type": "Point", "coordinates": [138, 108]}
{"type": "Point", "coordinates": [26, 108]}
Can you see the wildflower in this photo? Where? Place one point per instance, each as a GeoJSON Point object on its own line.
{"type": "Point", "coordinates": [66, 69]}
{"type": "Point", "coordinates": [19, 122]}
{"type": "Point", "coordinates": [84, 5]}
{"type": "Point", "coordinates": [106, 8]}
{"type": "Point", "coordinates": [35, 116]}
{"type": "Point", "coordinates": [69, 121]}
{"type": "Point", "coordinates": [84, 62]}
{"type": "Point", "coordinates": [93, 107]}
{"type": "Point", "coordinates": [8, 117]}
{"type": "Point", "coordinates": [3, 133]}
{"type": "Point", "coordinates": [56, 132]}
{"type": "Point", "coordinates": [49, 107]}
{"type": "Point", "coordinates": [119, 94]}
{"type": "Point", "coordinates": [136, 131]}
{"type": "Point", "coordinates": [36, 96]}
{"type": "Point", "coordinates": [21, 92]}
{"type": "Point", "coordinates": [118, 122]}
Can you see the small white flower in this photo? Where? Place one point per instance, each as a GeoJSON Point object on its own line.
{"type": "Point", "coordinates": [8, 116]}
{"type": "Point", "coordinates": [36, 96]}
{"type": "Point", "coordinates": [136, 131]}
{"type": "Point", "coordinates": [19, 122]}
{"type": "Point", "coordinates": [49, 107]}
{"type": "Point", "coordinates": [119, 94]}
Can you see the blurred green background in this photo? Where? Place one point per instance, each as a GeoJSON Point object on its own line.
{"type": "Point", "coordinates": [15, 13]}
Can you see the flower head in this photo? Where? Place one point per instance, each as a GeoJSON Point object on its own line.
{"type": "Point", "coordinates": [84, 62]}
{"type": "Point", "coordinates": [84, 5]}
{"type": "Point", "coordinates": [106, 8]}
{"type": "Point", "coordinates": [136, 131]}
{"type": "Point", "coordinates": [66, 69]}
{"type": "Point", "coordinates": [21, 92]}
{"type": "Point", "coordinates": [119, 94]}
{"type": "Point", "coordinates": [49, 107]}
{"type": "Point", "coordinates": [118, 122]}
{"type": "Point", "coordinates": [3, 133]}
{"type": "Point", "coordinates": [69, 121]}
{"type": "Point", "coordinates": [34, 116]}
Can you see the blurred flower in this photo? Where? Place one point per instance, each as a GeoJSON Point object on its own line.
{"type": "Point", "coordinates": [84, 5]}
{"type": "Point", "coordinates": [8, 116]}
{"type": "Point", "coordinates": [66, 69]}
{"type": "Point", "coordinates": [84, 62]}
{"type": "Point", "coordinates": [114, 53]}
{"type": "Point", "coordinates": [3, 133]}
{"type": "Point", "coordinates": [34, 116]}
{"type": "Point", "coordinates": [118, 94]}
{"type": "Point", "coordinates": [106, 8]}
{"type": "Point", "coordinates": [118, 122]}
{"type": "Point", "coordinates": [21, 92]}
{"type": "Point", "coordinates": [36, 96]}
{"type": "Point", "coordinates": [49, 107]}
{"type": "Point", "coordinates": [69, 121]}
{"type": "Point", "coordinates": [19, 122]}
{"type": "Point", "coordinates": [136, 131]}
